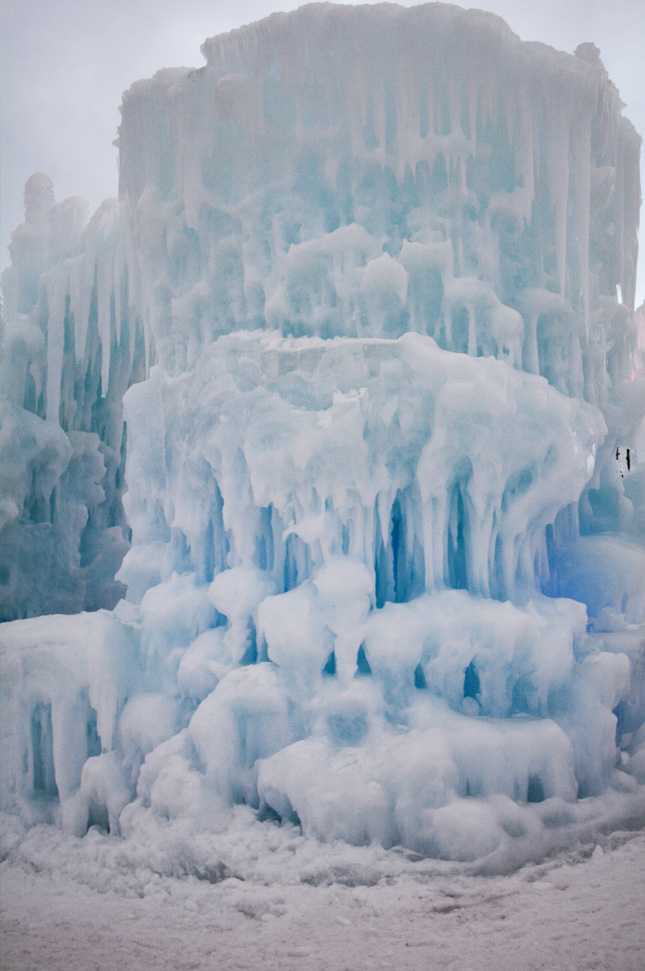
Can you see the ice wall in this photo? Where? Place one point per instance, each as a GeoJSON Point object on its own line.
{"type": "Point", "coordinates": [329, 172]}
{"type": "Point", "coordinates": [365, 303]}
{"type": "Point", "coordinates": [72, 344]}
{"type": "Point", "coordinates": [432, 469]}
{"type": "Point", "coordinates": [336, 171]}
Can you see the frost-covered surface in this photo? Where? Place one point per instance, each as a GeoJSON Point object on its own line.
{"type": "Point", "coordinates": [273, 899]}
{"type": "Point", "coordinates": [385, 580]}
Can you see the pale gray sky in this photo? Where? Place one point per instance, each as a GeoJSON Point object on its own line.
{"type": "Point", "coordinates": [66, 63]}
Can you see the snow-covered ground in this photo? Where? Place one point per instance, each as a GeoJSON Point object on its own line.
{"type": "Point", "coordinates": [94, 905]}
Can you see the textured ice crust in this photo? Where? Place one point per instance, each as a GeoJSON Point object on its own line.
{"type": "Point", "coordinates": [357, 305]}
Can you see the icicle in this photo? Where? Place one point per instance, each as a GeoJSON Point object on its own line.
{"type": "Point", "coordinates": [57, 286]}
{"type": "Point", "coordinates": [557, 166]}
{"type": "Point", "coordinates": [581, 151]}
{"type": "Point", "coordinates": [104, 295]}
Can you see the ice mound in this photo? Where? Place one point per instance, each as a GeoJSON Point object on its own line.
{"type": "Point", "coordinates": [345, 373]}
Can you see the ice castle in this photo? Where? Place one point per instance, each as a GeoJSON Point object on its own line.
{"type": "Point", "coordinates": [309, 496]}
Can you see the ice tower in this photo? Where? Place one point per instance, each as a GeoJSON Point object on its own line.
{"type": "Point", "coordinates": [365, 305]}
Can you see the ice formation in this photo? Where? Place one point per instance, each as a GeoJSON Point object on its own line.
{"type": "Point", "coordinates": [365, 305]}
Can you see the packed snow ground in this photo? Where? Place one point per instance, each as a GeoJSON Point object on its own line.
{"type": "Point", "coordinates": [91, 905]}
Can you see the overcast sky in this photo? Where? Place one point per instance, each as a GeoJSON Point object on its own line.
{"type": "Point", "coordinates": [65, 64]}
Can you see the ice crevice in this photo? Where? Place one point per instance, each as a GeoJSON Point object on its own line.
{"type": "Point", "coordinates": [309, 497]}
